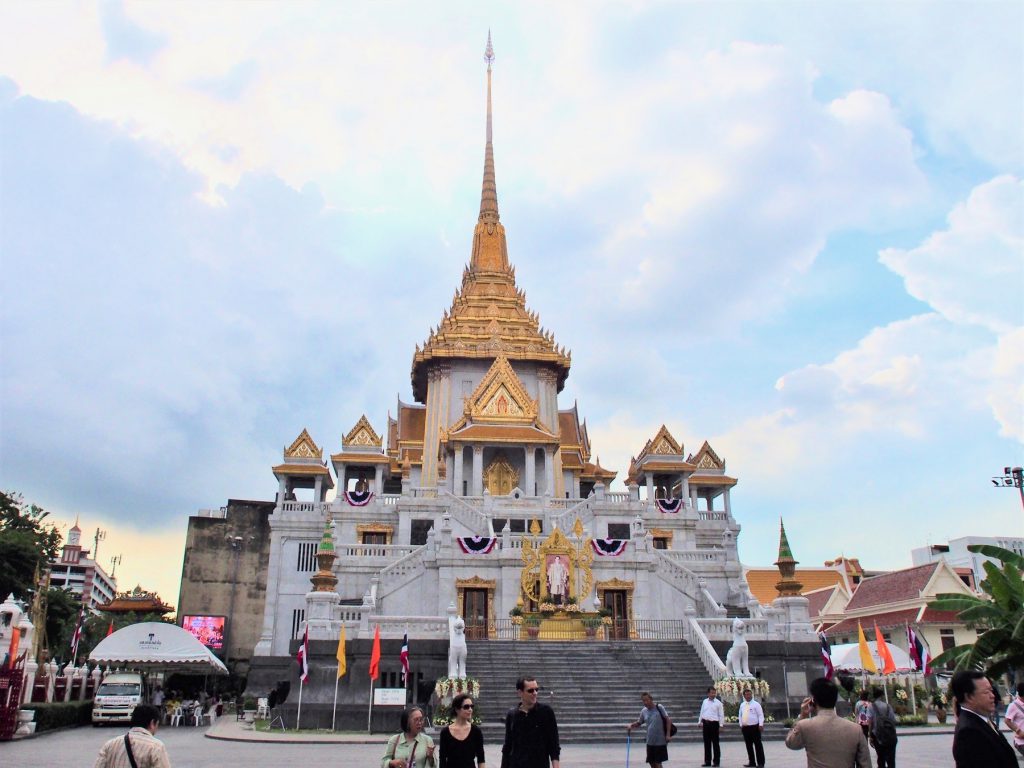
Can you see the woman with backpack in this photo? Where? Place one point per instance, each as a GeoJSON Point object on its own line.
{"type": "Point", "coordinates": [862, 709]}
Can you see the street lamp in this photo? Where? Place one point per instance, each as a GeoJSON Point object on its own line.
{"type": "Point", "coordinates": [1012, 477]}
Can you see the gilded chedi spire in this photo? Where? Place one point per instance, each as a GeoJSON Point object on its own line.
{"type": "Point", "coordinates": [488, 316]}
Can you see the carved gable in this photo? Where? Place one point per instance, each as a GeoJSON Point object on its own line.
{"type": "Point", "coordinates": [362, 434]}
{"type": "Point", "coordinates": [501, 397]}
{"type": "Point", "coordinates": [303, 448]}
{"type": "Point", "coordinates": [664, 444]}
{"type": "Point", "coordinates": [706, 458]}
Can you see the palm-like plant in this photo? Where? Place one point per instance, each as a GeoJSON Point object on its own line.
{"type": "Point", "coordinates": [999, 616]}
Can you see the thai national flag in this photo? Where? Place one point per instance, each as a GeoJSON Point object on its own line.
{"type": "Point", "coordinates": [918, 652]}
{"type": "Point", "coordinates": [403, 656]}
{"type": "Point", "coordinates": [77, 636]}
{"type": "Point", "coordinates": [303, 656]}
{"type": "Point", "coordinates": [826, 656]}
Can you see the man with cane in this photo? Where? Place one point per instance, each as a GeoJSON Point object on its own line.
{"type": "Point", "coordinates": [659, 727]}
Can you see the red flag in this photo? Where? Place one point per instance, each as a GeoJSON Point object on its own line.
{"type": "Point", "coordinates": [303, 656]}
{"type": "Point", "coordinates": [403, 656]}
{"type": "Point", "coordinates": [110, 629]}
{"type": "Point", "coordinates": [889, 666]}
{"type": "Point", "coordinates": [375, 655]}
{"type": "Point", "coordinates": [918, 652]}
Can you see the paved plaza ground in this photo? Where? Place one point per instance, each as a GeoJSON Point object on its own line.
{"type": "Point", "coordinates": [189, 748]}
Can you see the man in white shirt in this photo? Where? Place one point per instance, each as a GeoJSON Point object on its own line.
{"type": "Point", "coordinates": [751, 718]}
{"type": "Point", "coordinates": [139, 747]}
{"type": "Point", "coordinates": [712, 718]}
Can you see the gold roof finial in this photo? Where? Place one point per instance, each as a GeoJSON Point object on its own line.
{"type": "Point", "coordinates": [489, 196]}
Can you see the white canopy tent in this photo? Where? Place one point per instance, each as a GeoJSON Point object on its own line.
{"type": "Point", "coordinates": [846, 657]}
{"type": "Point", "coordinates": [153, 645]}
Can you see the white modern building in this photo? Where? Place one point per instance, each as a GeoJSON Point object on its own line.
{"type": "Point", "coordinates": [955, 552]}
{"type": "Point", "coordinates": [77, 571]}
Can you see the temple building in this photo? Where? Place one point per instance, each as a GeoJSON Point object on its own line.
{"type": "Point", "coordinates": [483, 497]}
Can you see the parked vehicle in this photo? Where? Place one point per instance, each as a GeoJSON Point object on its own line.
{"type": "Point", "coordinates": [118, 695]}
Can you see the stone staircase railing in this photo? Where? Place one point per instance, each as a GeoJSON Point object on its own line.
{"type": "Point", "coordinates": [467, 514]}
{"type": "Point", "coordinates": [583, 509]}
{"type": "Point", "coordinates": [401, 572]}
{"type": "Point", "coordinates": [705, 651]}
{"type": "Point", "coordinates": [721, 629]}
{"type": "Point", "coordinates": [678, 575]}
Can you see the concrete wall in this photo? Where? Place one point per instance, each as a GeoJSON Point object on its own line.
{"type": "Point", "coordinates": [212, 570]}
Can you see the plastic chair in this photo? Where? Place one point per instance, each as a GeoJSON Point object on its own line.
{"type": "Point", "coordinates": [262, 709]}
{"type": "Point", "coordinates": [177, 716]}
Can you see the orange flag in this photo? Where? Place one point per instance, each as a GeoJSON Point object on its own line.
{"type": "Point", "coordinates": [888, 665]}
{"type": "Point", "coordinates": [110, 629]}
{"type": "Point", "coordinates": [375, 655]}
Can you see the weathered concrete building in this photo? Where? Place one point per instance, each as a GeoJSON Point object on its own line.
{"type": "Point", "coordinates": [224, 573]}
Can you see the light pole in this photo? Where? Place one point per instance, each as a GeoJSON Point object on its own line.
{"type": "Point", "coordinates": [1012, 477]}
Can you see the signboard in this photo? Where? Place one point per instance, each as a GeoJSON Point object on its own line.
{"type": "Point", "coordinates": [208, 630]}
{"type": "Point", "coordinates": [389, 697]}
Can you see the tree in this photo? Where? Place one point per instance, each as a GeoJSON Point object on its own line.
{"type": "Point", "coordinates": [998, 616]}
{"type": "Point", "coordinates": [27, 541]}
{"type": "Point", "coordinates": [62, 609]}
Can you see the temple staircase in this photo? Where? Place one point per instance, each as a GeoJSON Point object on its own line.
{"type": "Point", "coordinates": [594, 686]}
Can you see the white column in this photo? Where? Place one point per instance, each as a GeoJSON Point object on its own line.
{"type": "Point", "coordinates": [530, 488]}
{"type": "Point", "coordinates": [341, 469]}
{"type": "Point", "coordinates": [685, 492]}
{"type": "Point", "coordinates": [478, 470]}
{"type": "Point", "coordinates": [693, 497]}
{"type": "Point", "coordinates": [318, 485]}
{"type": "Point", "coordinates": [457, 471]}
{"type": "Point", "coordinates": [549, 472]}
{"type": "Point", "coordinates": [378, 480]}
{"type": "Point", "coordinates": [650, 487]}
{"type": "Point", "coordinates": [728, 506]}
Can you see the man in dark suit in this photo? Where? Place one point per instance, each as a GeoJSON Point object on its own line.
{"type": "Point", "coordinates": [976, 742]}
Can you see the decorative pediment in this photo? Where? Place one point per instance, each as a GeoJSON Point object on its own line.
{"type": "Point", "coordinates": [664, 444]}
{"type": "Point", "coordinates": [706, 458]}
{"type": "Point", "coordinates": [303, 448]}
{"type": "Point", "coordinates": [501, 397]}
{"type": "Point", "coordinates": [362, 434]}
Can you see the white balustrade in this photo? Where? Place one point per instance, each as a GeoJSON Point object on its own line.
{"type": "Point", "coordinates": [617, 497]}
{"type": "Point", "coordinates": [402, 571]}
{"type": "Point", "coordinates": [705, 515]}
{"type": "Point", "coordinates": [696, 555]}
{"type": "Point", "coordinates": [387, 551]}
{"type": "Point", "coordinates": [721, 628]}
{"type": "Point", "coordinates": [705, 651]}
{"type": "Point", "coordinates": [304, 506]}
{"type": "Point", "coordinates": [390, 499]}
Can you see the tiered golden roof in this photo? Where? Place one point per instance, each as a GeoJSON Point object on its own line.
{"type": "Point", "coordinates": [488, 316]}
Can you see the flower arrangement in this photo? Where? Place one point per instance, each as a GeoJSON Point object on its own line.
{"type": "Point", "coordinates": [901, 693]}
{"type": "Point", "coordinates": [448, 688]}
{"type": "Point", "coordinates": [731, 688]}
{"type": "Point", "coordinates": [938, 699]}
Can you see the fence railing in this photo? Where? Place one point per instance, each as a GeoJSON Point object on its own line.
{"type": "Point", "coordinates": [304, 506]}
{"type": "Point", "coordinates": [388, 551]}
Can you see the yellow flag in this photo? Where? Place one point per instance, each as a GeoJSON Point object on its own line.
{"type": "Point", "coordinates": [866, 662]}
{"type": "Point", "coordinates": [888, 665]}
{"type": "Point", "coordinates": [342, 666]}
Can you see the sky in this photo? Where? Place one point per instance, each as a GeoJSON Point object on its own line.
{"type": "Point", "coordinates": [791, 229]}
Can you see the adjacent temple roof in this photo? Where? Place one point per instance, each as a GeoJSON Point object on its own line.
{"type": "Point", "coordinates": [488, 316]}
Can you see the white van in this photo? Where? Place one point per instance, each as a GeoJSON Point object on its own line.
{"type": "Point", "coordinates": [118, 695]}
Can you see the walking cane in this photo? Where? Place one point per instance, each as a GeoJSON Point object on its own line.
{"type": "Point", "coordinates": [629, 734]}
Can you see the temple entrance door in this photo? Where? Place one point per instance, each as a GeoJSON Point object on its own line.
{"type": "Point", "coordinates": [615, 601]}
{"type": "Point", "coordinates": [500, 477]}
{"type": "Point", "coordinates": [474, 612]}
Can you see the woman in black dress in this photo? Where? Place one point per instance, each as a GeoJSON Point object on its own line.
{"type": "Point", "coordinates": [462, 743]}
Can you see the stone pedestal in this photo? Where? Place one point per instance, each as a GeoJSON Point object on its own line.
{"type": "Point", "coordinates": [320, 615]}
{"type": "Point", "coordinates": [795, 618]}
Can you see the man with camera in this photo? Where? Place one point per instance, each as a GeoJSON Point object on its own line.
{"type": "Point", "coordinates": [830, 741]}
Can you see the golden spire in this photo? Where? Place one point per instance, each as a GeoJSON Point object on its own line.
{"type": "Point", "coordinates": [489, 195]}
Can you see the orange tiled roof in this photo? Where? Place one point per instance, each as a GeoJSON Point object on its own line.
{"type": "Point", "coordinates": [762, 581]}
{"type": "Point", "coordinates": [301, 469]}
{"type": "Point", "coordinates": [505, 434]}
{"type": "Point", "coordinates": [892, 587]}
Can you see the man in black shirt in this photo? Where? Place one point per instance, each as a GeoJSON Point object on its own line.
{"type": "Point", "coordinates": [531, 732]}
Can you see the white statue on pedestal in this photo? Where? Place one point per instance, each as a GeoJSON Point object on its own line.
{"type": "Point", "coordinates": [456, 647]}
{"type": "Point", "coordinates": [736, 662]}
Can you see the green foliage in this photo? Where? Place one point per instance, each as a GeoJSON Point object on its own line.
{"type": "Point", "coordinates": [531, 620]}
{"type": "Point", "coordinates": [61, 714]}
{"type": "Point", "coordinates": [249, 703]}
{"type": "Point", "coordinates": [26, 541]}
{"type": "Point", "coordinates": [998, 617]}
{"type": "Point", "coordinates": [62, 607]}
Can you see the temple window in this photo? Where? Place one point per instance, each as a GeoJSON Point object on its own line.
{"type": "Point", "coordinates": [419, 530]}
{"type": "Point", "coordinates": [618, 530]}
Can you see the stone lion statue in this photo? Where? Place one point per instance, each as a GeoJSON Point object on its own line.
{"type": "Point", "coordinates": [737, 661]}
{"type": "Point", "coordinates": [456, 647]}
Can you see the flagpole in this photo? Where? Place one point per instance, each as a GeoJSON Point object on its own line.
{"type": "Point", "coordinates": [298, 716]}
{"type": "Point", "coordinates": [334, 714]}
{"type": "Point", "coordinates": [369, 713]}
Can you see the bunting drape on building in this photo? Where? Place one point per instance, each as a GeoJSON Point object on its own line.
{"type": "Point", "coordinates": [476, 545]}
{"type": "Point", "coordinates": [669, 506]}
{"type": "Point", "coordinates": [358, 498]}
{"type": "Point", "coordinates": [609, 547]}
